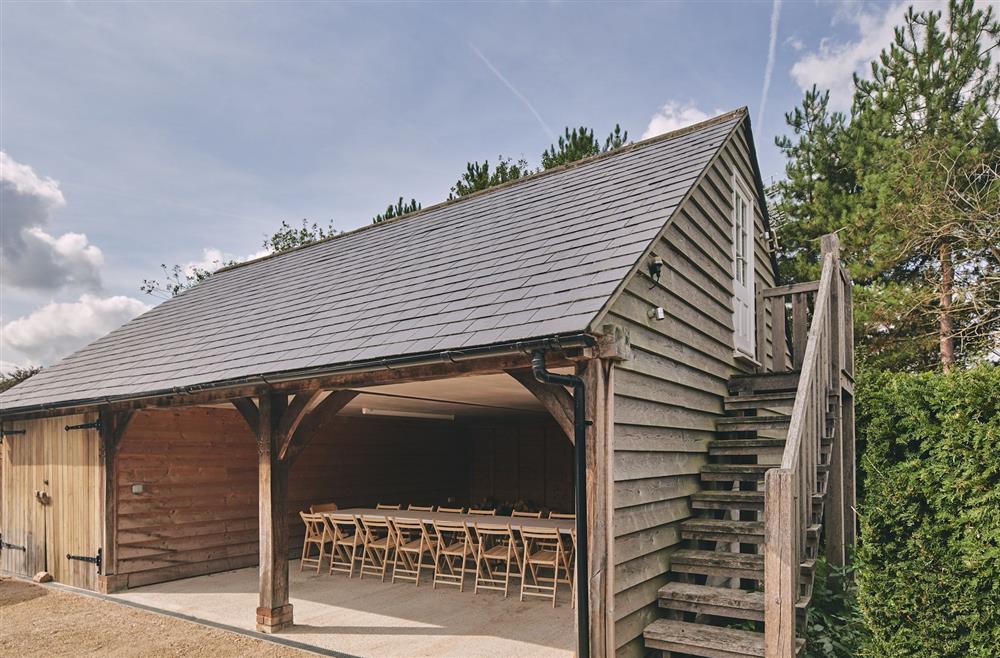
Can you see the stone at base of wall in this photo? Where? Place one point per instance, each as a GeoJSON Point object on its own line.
{"type": "Point", "coordinates": [112, 583]}
{"type": "Point", "coordinates": [272, 620]}
{"type": "Point", "coordinates": [42, 577]}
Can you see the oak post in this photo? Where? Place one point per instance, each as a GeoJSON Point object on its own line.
{"type": "Point", "coordinates": [111, 430]}
{"type": "Point", "coordinates": [274, 612]}
{"type": "Point", "coordinates": [597, 380]}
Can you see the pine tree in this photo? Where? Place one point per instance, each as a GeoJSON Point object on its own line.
{"type": "Point", "coordinates": [814, 198]}
{"type": "Point", "coordinates": [909, 182]}
{"type": "Point", "coordinates": [580, 143]}
{"type": "Point", "coordinates": [398, 210]}
{"type": "Point", "coordinates": [480, 177]}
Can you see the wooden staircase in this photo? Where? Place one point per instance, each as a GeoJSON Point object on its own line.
{"type": "Point", "coordinates": [734, 590]}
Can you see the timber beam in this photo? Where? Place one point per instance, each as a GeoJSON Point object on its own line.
{"type": "Point", "coordinates": [369, 376]}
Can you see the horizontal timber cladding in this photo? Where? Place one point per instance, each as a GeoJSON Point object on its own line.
{"type": "Point", "coordinates": [530, 463]}
{"type": "Point", "coordinates": [669, 395]}
{"type": "Point", "coordinates": [197, 512]}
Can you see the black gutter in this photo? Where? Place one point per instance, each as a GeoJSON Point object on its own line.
{"type": "Point", "coordinates": [580, 438]}
{"type": "Point", "coordinates": [557, 342]}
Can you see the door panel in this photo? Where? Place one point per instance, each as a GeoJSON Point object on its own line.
{"type": "Point", "coordinates": [65, 467]}
{"type": "Point", "coordinates": [22, 518]}
{"type": "Point", "coordinates": [73, 517]}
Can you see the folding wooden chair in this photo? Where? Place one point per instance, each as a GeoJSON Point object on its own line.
{"type": "Point", "coordinates": [454, 548]}
{"type": "Point", "coordinates": [315, 536]}
{"type": "Point", "coordinates": [348, 537]}
{"type": "Point", "coordinates": [538, 556]}
{"type": "Point", "coordinates": [379, 543]}
{"type": "Point", "coordinates": [323, 507]}
{"type": "Point", "coordinates": [413, 542]}
{"type": "Point", "coordinates": [483, 512]}
{"type": "Point", "coordinates": [526, 515]}
{"type": "Point", "coordinates": [418, 508]}
{"type": "Point", "coordinates": [496, 545]}
{"type": "Point", "coordinates": [569, 549]}
{"type": "Point", "coordinates": [452, 510]}
{"type": "Point", "coordinates": [387, 506]}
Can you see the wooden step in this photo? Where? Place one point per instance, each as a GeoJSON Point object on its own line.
{"type": "Point", "coordinates": [716, 601]}
{"type": "Point", "coordinates": [728, 447]}
{"type": "Point", "coordinates": [767, 382]}
{"type": "Point", "coordinates": [752, 423]}
{"type": "Point", "coordinates": [775, 399]}
{"type": "Point", "coordinates": [724, 530]}
{"type": "Point", "coordinates": [728, 500]}
{"type": "Point", "coordinates": [707, 641]}
{"type": "Point", "coordinates": [743, 472]}
{"type": "Point", "coordinates": [782, 399]}
{"type": "Point", "coordinates": [733, 447]}
{"type": "Point", "coordinates": [736, 500]}
{"type": "Point", "coordinates": [718, 563]}
{"type": "Point", "coordinates": [735, 472]}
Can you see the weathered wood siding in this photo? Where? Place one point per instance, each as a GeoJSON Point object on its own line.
{"type": "Point", "coordinates": [530, 462]}
{"type": "Point", "coordinates": [668, 397]}
{"type": "Point", "coordinates": [198, 511]}
{"type": "Point", "coordinates": [66, 466]}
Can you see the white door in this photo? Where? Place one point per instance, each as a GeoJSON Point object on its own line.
{"type": "Point", "coordinates": [744, 320]}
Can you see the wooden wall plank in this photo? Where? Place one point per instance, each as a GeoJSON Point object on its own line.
{"type": "Point", "coordinates": [669, 396]}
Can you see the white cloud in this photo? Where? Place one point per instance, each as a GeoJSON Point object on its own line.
{"type": "Point", "coordinates": [34, 259]}
{"type": "Point", "coordinates": [833, 66]}
{"type": "Point", "coordinates": [769, 66]}
{"type": "Point", "coordinates": [673, 116]}
{"type": "Point", "coordinates": [795, 43]}
{"type": "Point", "coordinates": [58, 329]}
{"type": "Point", "coordinates": [212, 259]}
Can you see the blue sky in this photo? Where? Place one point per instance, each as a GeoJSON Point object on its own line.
{"type": "Point", "coordinates": [140, 134]}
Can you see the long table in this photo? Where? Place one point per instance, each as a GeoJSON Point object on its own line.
{"type": "Point", "coordinates": [564, 526]}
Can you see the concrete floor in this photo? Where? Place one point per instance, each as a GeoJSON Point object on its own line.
{"type": "Point", "coordinates": [373, 619]}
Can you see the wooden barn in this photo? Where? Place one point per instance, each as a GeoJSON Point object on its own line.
{"type": "Point", "coordinates": [599, 351]}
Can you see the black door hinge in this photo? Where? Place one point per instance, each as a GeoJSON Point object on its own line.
{"type": "Point", "coordinates": [4, 544]}
{"type": "Point", "coordinates": [85, 558]}
{"type": "Point", "coordinates": [96, 425]}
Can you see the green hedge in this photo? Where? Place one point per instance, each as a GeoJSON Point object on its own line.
{"type": "Point", "coordinates": [928, 566]}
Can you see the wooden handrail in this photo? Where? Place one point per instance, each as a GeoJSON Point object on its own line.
{"type": "Point", "coordinates": [789, 489]}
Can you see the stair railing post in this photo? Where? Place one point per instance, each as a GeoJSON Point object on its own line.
{"type": "Point", "coordinates": [837, 505]}
{"type": "Point", "coordinates": [781, 562]}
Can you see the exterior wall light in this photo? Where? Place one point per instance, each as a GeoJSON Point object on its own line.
{"type": "Point", "coordinates": [657, 313]}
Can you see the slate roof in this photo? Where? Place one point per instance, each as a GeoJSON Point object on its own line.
{"type": "Point", "coordinates": [531, 259]}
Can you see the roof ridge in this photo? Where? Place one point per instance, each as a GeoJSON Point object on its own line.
{"type": "Point", "coordinates": [673, 134]}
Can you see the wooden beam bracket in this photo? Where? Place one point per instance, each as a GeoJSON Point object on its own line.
{"type": "Point", "coordinates": [557, 400]}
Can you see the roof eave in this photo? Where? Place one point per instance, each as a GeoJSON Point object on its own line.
{"type": "Point", "coordinates": [558, 342]}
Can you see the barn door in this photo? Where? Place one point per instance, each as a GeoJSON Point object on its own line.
{"type": "Point", "coordinates": [744, 320]}
{"type": "Point", "coordinates": [73, 470]}
{"type": "Point", "coordinates": [51, 500]}
{"type": "Point", "coordinates": [22, 512]}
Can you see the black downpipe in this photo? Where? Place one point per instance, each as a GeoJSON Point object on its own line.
{"type": "Point", "coordinates": [580, 461]}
